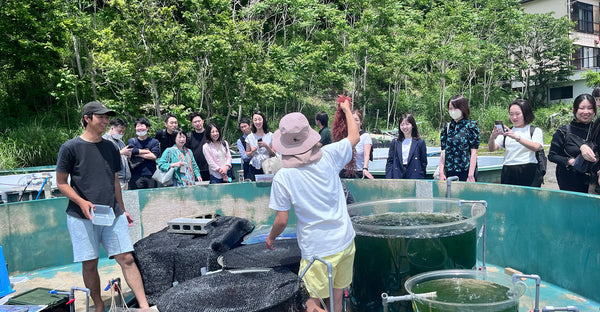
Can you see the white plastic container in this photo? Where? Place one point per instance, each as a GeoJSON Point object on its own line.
{"type": "Point", "coordinates": [264, 178]}
{"type": "Point", "coordinates": [103, 215]}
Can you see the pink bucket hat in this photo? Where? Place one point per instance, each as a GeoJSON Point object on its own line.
{"type": "Point", "coordinates": [295, 137]}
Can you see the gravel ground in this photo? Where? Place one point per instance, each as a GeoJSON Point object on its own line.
{"type": "Point", "coordinates": [550, 177]}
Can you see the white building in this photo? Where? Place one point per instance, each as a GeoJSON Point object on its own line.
{"type": "Point", "coordinates": [586, 15]}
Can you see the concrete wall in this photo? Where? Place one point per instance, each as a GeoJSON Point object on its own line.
{"type": "Point", "coordinates": [551, 233]}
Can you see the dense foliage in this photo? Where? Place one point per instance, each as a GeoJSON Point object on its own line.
{"type": "Point", "coordinates": [229, 58]}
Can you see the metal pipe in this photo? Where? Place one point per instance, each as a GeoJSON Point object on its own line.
{"type": "Point", "coordinates": [329, 275]}
{"type": "Point", "coordinates": [448, 182]}
{"type": "Point", "coordinates": [87, 297]}
{"type": "Point", "coordinates": [71, 295]}
{"type": "Point", "coordinates": [385, 299]}
{"type": "Point", "coordinates": [538, 281]}
{"type": "Point", "coordinates": [567, 308]}
{"type": "Point", "coordinates": [483, 231]}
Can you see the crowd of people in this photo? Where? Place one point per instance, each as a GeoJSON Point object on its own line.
{"type": "Point", "coordinates": [309, 178]}
{"type": "Point", "coordinates": [203, 155]}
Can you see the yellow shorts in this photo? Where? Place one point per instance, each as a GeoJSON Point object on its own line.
{"type": "Point", "coordinates": [317, 279]}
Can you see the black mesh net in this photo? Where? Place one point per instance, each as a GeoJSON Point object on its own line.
{"type": "Point", "coordinates": [277, 289]}
{"type": "Point", "coordinates": [165, 257]}
{"type": "Point", "coordinates": [286, 254]}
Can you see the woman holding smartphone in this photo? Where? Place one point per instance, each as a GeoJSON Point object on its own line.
{"type": "Point", "coordinates": [259, 144]}
{"type": "Point", "coordinates": [520, 144]}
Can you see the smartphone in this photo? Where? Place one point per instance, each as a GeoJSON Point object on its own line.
{"type": "Point", "coordinates": [260, 140]}
{"type": "Point", "coordinates": [499, 125]}
{"type": "Point", "coordinates": [130, 146]}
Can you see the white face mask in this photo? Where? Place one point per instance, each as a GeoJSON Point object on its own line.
{"type": "Point", "coordinates": [141, 133]}
{"type": "Point", "coordinates": [455, 114]}
{"type": "Point", "coordinates": [117, 136]}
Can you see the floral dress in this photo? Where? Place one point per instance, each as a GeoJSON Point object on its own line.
{"type": "Point", "coordinates": [457, 139]}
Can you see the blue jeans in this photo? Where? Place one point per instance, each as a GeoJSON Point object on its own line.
{"type": "Point", "coordinates": [215, 180]}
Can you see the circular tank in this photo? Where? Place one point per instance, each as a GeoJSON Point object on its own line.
{"type": "Point", "coordinates": [399, 238]}
{"type": "Point", "coordinates": [464, 290]}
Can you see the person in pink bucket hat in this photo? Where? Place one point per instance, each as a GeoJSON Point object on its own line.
{"type": "Point", "coordinates": [310, 181]}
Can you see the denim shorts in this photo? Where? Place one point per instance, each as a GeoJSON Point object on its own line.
{"type": "Point", "coordinates": [86, 238]}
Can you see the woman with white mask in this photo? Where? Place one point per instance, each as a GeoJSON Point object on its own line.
{"type": "Point", "coordinates": [459, 142]}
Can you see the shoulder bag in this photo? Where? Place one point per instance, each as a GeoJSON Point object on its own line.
{"type": "Point", "coordinates": [164, 177]}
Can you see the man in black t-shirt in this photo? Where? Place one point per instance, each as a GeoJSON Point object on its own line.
{"type": "Point", "coordinates": [93, 164]}
{"type": "Point", "coordinates": [166, 136]}
{"type": "Point", "coordinates": [195, 141]}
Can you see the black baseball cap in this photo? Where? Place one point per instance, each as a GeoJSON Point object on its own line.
{"type": "Point", "coordinates": [97, 108]}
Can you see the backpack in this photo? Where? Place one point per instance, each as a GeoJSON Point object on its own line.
{"type": "Point", "coordinates": [540, 156]}
{"type": "Point", "coordinates": [361, 132]}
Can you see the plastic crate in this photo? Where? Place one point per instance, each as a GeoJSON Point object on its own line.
{"type": "Point", "coordinates": [40, 296]}
{"type": "Point", "coordinates": [102, 215]}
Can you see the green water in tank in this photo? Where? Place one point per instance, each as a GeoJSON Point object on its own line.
{"type": "Point", "coordinates": [463, 290]}
{"type": "Point", "coordinates": [382, 263]}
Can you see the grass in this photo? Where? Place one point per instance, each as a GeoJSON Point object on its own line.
{"type": "Point", "coordinates": [32, 144]}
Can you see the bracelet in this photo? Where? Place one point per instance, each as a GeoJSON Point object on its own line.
{"type": "Point", "coordinates": [518, 139]}
{"type": "Point", "coordinates": [366, 169]}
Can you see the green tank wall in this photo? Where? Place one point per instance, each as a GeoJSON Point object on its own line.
{"type": "Point", "coordinates": [551, 233]}
{"type": "Point", "coordinates": [537, 231]}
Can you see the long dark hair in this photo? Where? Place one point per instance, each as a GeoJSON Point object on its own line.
{"type": "Point", "coordinates": [582, 97]}
{"type": "Point", "coordinates": [265, 127]}
{"type": "Point", "coordinates": [209, 128]}
{"type": "Point", "coordinates": [415, 131]}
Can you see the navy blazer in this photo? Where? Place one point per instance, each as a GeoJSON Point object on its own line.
{"type": "Point", "coordinates": [417, 161]}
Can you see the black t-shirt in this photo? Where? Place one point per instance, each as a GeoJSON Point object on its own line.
{"type": "Point", "coordinates": [195, 141]}
{"type": "Point", "coordinates": [165, 139]}
{"type": "Point", "coordinates": [92, 167]}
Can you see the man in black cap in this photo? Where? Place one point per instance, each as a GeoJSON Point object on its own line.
{"type": "Point", "coordinates": [93, 164]}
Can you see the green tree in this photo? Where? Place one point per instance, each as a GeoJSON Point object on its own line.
{"type": "Point", "coordinates": [542, 55]}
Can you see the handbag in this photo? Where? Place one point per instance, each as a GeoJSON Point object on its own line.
{"type": "Point", "coordinates": [272, 164]}
{"type": "Point", "coordinates": [540, 156]}
{"type": "Point", "coordinates": [582, 166]}
{"type": "Point", "coordinates": [164, 177]}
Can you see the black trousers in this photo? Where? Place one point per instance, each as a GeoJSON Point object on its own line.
{"type": "Point", "coordinates": [142, 182]}
{"type": "Point", "coordinates": [253, 172]}
{"type": "Point", "coordinates": [462, 175]}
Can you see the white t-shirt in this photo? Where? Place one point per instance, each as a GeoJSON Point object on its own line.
{"type": "Point", "coordinates": [315, 191]}
{"type": "Point", "coordinates": [406, 150]}
{"type": "Point", "coordinates": [365, 139]}
{"type": "Point", "coordinates": [516, 153]}
{"type": "Point", "coordinates": [261, 153]}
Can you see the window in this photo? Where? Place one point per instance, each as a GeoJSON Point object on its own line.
{"type": "Point", "coordinates": [585, 17]}
{"type": "Point", "coordinates": [561, 93]}
{"type": "Point", "coordinates": [586, 57]}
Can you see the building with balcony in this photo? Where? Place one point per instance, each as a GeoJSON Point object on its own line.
{"type": "Point", "coordinates": [586, 35]}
